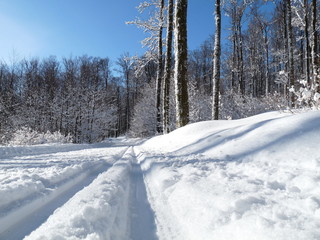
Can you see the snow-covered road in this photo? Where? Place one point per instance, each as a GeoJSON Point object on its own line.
{"type": "Point", "coordinates": [255, 178]}
{"type": "Point", "coordinates": [96, 192]}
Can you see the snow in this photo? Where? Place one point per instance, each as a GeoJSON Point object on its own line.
{"type": "Point", "coordinates": [253, 178]}
{"type": "Point", "coordinates": [96, 212]}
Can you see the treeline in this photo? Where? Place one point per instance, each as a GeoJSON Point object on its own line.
{"type": "Point", "coordinates": [269, 61]}
{"type": "Point", "coordinates": [269, 50]}
{"type": "Point", "coordinates": [76, 97]}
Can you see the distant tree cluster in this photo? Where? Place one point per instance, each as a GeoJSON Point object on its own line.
{"type": "Point", "coordinates": [76, 97]}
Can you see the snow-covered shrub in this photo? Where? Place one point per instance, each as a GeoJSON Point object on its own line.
{"type": "Point", "coordinates": [306, 95]}
{"type": "Point", "coordinates": [27, 136]}
{"type": "Point", "coordinates": [236, 106]}
{"type": "Point", "coordinates": [55, 137]}
{"type": "Point", "coordinates": [144, 122]}
{"type": "Point", "coordinates": [200, 105]}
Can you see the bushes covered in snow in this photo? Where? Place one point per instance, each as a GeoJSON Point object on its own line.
{"type": "Point", "coordinates": [306, 95]}
{"type": "Point", "coordinates": [143, 122]}
{"type": "Point", "coordinates": [27, 136]}
{"type": "Point", "coordinates": [236, 106]}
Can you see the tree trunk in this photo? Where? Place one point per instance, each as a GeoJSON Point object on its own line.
{"type": "Point", "coordinates": [266, 45]}
{"type": "Point", "coordinates": [127, 102]}
{"type": "Point", "coordinates": [160, 68]}
{"type": "Point", "coordinates": [286, 48]}
{"type": "Point", "coordinates": [181, 63]}
{"type": "Point", "coordinates": [241, 75]}
{"type": "Point", "coordinates": [290, 45]}
{"type": "Point", "coordinates": [167, 68]}
{"type": "Point", "coordinates": [307, 48]}
{"type": "Point", "coordinates": [216, 64]}
{"type": "Point", "coordinates": [314, 50]}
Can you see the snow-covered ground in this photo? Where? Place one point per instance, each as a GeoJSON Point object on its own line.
{"type": "Point", "coordinates": [254, 178]}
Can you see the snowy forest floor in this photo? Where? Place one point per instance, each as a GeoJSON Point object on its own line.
{"type": "Point", "coordinates": [254, 178]}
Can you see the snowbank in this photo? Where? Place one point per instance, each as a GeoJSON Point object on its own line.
{"type": "Point", "coordinates": [255, 178]}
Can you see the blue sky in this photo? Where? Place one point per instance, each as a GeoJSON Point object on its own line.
{"type": "Point", "coordinates": [63, 28]}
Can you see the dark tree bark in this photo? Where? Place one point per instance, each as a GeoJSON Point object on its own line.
{"type": "Point", "coordinates": [216, 64]}
{"type": "Point", "coordinates": [314, 50]}
{"type": "Point", "coordinates": [307, 43]}
{"type": "Point", "coordinates": [167, 69]}
{"type": "Point", "coordinates": [266, 46]}
{"type": "Point", "coordinates": [290, 45]}
{"type": "Point", "coordinates": [125, 63]}
{"type": "Point", "coordinates": [181, 63]}
{"type": "Point", "coordinates": [236, 9]}
{"type": "Point", "coordinates": [160, 68]}
{"type": "Point", "coordinates": [240, 66]}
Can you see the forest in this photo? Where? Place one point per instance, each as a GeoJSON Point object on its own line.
{"type": "Point", "coordinates": [269, 61]}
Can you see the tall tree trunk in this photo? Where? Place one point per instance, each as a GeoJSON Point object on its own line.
{"type": "Point", "coordinates": [290, 45]}
{"type": "Point", "coordinates": [181, 63]}
{"type": "Point", "coordinates": [307, 44]}
{"type": "Point", "coordinates": [241, 69]}
{"type": "Point", "coordinates": [216, 64]}
{"type": "Point", "coordinates": [266, 46]}
{"type": "Point", "coordinates": [314, 50]}
{"type": "Point", "coordinates": [234, 66]}
{"type": "Point", "coordinates": [127, 102]}
{"type": "Point", "coordinates": [285, 48]}
{"type": "Point", "coordinates": [167, 69]}
{"type": "Point", "coordinates": [160, 68]}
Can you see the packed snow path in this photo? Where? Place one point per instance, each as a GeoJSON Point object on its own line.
{"type": "Point", "coordinates": [82, 181]}
{"type": "Point", "coordinates": [38, 208]}
{"type": "Point", "coordinates": [142, 216]}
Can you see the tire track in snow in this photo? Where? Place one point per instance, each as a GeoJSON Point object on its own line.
{"type": "Point", "coordinates": [31, 215]}
{"type": "Point", "coordinates": [142, 218]}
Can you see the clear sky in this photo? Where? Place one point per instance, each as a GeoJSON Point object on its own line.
{"type": "Point", "coordinates": [63, 28]}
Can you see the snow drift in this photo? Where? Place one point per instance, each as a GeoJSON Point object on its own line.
{"type": "Point", "coordinates": [254, 178]}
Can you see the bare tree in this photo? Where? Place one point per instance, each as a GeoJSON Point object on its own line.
{"type": "Point", "coordinates": [307, 43]}
{"type": "Point", "coordinates": [290, 51]}
{"type": "Point", "coordinates": [216, 64]}
{"type": "Point", "coordinates": [236, 9]}
{"type": "Point", "coordinates": [125, 63]}
{"type": "Point", "coordinates": [181, 63]}
{"type": "Point", "coordinates": [314, 50]}
{"type": "Point", "coordinates": [167, 69]}
{"type": "Point", "coordinates": [160, 67]}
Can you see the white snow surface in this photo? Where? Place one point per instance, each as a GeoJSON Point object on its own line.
{"type": "Point", "coordinates": [254, 178]}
